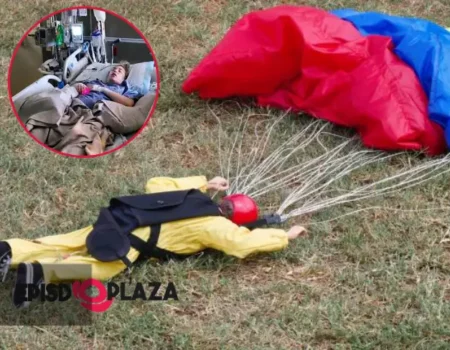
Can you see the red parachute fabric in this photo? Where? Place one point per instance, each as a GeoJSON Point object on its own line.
{"type": "Point", "coordinates": [306, 59]}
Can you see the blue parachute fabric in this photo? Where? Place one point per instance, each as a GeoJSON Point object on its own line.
{"type": "Point", "coordinates": [423, 45]}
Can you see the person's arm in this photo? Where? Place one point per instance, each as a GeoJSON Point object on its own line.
{"type": "Point", "coordinates": [114, 96]}
{"type": "Point", "coordinates": [164, 184]}
{"type": "Point", "coordinates": [223, 235]}
{"type": "Point", "coordinates": [79, 87]}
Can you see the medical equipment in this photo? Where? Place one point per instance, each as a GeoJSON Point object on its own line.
{"type": "Point", "coordinates": [98, 37]}
{"type": "Point", "coordinates": [74, 54]}
{"type": "Point", "coordinates": [45, 37]}
{"type": "Point", "coordinates": [96, 45]}
{"type": "Point", "coordinates": [65, 39]}
{"type": "Point", "coordinates": [77, 33]}
{"type": "Point", "coordinates": [71, 50]}
{"type": "Point", "coordinates": [66, 33]}
{"type": "Point", "coordinates": [73, 66]}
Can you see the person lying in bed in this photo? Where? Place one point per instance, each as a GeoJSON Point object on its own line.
{"type": "Point", "coordinates": [116, 88]}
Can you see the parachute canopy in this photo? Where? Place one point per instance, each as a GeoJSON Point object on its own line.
{"type": "Point", "coordinates": [306, 59]}
{"type": "Point", "coordinates": [424, 46]}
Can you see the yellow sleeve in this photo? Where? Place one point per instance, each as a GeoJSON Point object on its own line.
{"type": "Point", "coordinates": [222, 234]}
{"type": "Point", "coordinates": [165, 184]}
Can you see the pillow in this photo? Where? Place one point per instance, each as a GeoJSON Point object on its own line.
{"type": "Point", "coordinates": [124, 120]}
{"type": "Point", "coordinates": [142, 75]}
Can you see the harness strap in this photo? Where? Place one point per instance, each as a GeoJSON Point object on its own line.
{"type": "Point", "coordinates": [140, 245]}
{"type": "Point", "coordinates": [149, 249]}
{"type": "Point", "coordinates": [127, 262]}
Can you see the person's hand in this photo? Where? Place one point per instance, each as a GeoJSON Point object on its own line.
{"type": "Point", "coordinates": [296, 231]}
{"type": "Point", "coordinates": [80, 87]}
{"type": "Point", "coordinates": [218, 183]}
{"type": "Point", "coordinates": [95, 87]}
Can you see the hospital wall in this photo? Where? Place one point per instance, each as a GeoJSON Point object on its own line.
{"type": "Point", "coordinates": [117, 28]}
{"type": "Point", "coordinates": [25, 67]}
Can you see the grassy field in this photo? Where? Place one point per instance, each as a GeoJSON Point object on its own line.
{"type": "Point", "coordinates": [378, 280]}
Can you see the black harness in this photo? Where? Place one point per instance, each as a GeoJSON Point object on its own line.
{"type": "Point", "coordinates": [111, 237]}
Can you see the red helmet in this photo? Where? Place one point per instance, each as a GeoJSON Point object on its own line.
{"type": "Point", "coordinates": [243, 208]}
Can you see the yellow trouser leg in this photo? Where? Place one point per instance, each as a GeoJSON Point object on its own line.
{"type": "Point", "coordinates": [48, 247]}
{"type": "Point", "coordinates": [79, 268]}
{"type": "Point", "coordinates": [60, 255]}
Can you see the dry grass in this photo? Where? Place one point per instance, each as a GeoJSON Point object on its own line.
{"type": "Point", "coordinates": [375, 281]}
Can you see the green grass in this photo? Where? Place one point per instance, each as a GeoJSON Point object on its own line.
{"type": "Point", "coordinates": [378, 280]}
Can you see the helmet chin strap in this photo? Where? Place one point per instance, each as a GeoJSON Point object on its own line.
{"type": "Point", "coordinates": [266, 220]}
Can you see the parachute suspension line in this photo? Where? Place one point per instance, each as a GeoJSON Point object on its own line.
{"type": "Point", "coordinates": [313, 184]}
{"type": "Point", "coordinates": [406, 179]}
{"type": "Point", "coordinates": [220, 138]}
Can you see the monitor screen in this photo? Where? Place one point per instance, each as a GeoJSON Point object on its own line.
{"type": "Point", "coordinates": [77, 30]}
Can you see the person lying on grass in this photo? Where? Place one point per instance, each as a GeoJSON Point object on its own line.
{"type": "Point", "coordinates": [115, 89]}
{"type": "Point", "coordinates": [176, 218]}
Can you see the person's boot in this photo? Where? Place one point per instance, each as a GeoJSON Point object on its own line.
{"type": "Point", "coordinates": [5, 260]}
{"type": "Point", "coordinates": [27, 274]}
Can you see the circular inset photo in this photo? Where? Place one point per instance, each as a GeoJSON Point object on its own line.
{"type": "Point", "coordinates": [83, 82]}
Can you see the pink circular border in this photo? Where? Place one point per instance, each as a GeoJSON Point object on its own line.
{"type": "Point", "coordinates": [89, 8]}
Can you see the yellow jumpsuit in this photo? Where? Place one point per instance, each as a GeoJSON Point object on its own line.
{"type": "Point", "coordinates": [58, 253]}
